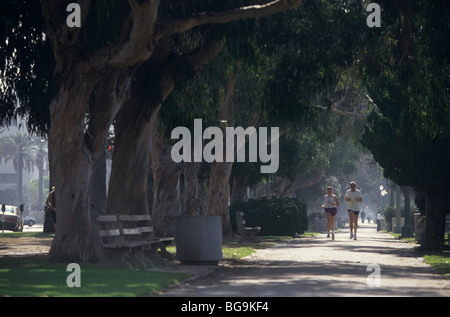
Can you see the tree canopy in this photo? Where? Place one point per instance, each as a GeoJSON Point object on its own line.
{"type": "Point", "coordinates": [407, 74]}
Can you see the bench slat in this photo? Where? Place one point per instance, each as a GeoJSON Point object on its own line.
{"type": "Point", "coordinates": [106, 218]}
{"type": "Point", "coordinates": [134, 217]}
{"type": "Point", "coordinates": [167, 239]}
{"type": "Point", "coordinates": [115, 230]}
{"type": "Point", "coordinates": [146, 229]}
{"type": "Point", "coordinates": [137, 230]}
{"type": "Point", "coordinates": [109, 233]}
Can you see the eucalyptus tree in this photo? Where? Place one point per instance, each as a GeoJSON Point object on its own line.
{"type": "Point", "coordinates": [271, 73]}
{"type": "Point", "coordinates": [92, 68]}
{"type": "Point", "coordinates": [92, 73]}
{"type": "Point", "coordinates": [136, 124]}
{"type": "Point", "coordinates": [406, 70]}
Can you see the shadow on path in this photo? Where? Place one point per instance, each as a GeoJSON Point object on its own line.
{"type": "Point", "coordinates": [321, 267]}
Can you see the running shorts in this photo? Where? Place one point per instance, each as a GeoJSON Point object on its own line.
{"type": "Point", "coordinates": [332, 211]}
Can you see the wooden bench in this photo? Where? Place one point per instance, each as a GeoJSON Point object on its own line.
{"type": "Point", "coordinates": [247, 234]}
{"type": "Point", "coordinates": [132, 237]}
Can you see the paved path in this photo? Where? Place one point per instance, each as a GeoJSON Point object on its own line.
{"type": "Point", "coordinates": [321, 267]}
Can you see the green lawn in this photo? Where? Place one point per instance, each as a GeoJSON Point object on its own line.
{"type": "Point", "coordinates": [36, 277]}
{"type": "Point", "coordinates": [39, 278]}
{"type": "Point", "coordinates": [440, 261]}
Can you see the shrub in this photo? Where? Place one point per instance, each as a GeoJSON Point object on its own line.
{"type": "Point", "coordinates": [275, 215]}
{"type": "Point", "coordinates": [388, 213]}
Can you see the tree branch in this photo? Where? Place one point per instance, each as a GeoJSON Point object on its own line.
{"type": "Point", "coordinates": [54, 14]}
{"type": "Point", "coordinates": [137, 41]}
{"type": "Point", "coordinates": [334, 109]}
{"type": "Point", "coordinates": [210, 48]}
{"type": "Point", "coordinates": [171, 27]}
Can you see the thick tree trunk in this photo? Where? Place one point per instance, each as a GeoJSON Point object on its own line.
{"type": "Point", "coordinates": [48, 223]}
{"type": "Point", "coordinates": [98, 191]}
{"type": "Point", "coordinates": [433, 237]}
{"type": "Point", "coordinates": [127, 192]}
{"type": "Point", "coordinates": [166, 187]}
{"type": "Point", "coordinates": [238, 189]}
{"type": "Point", "coordinates": [191, 189]}
{"type": "Point", "coordinates": [74, 239]}
{"type": "Point", "coordinates": [219, 194]}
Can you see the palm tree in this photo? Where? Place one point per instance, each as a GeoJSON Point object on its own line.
{"type": "Point", "coordinates": [40, 147]}
{"type": "Point", "coordinates": [20, 149]}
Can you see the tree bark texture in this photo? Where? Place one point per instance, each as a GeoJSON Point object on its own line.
{"type": "Point", "coordinates": [220, 175]}
{"type": "Point", "coordinates": [433, 237]}
{"type": "Point", "coordinates": [191, 189]}
{"type": "Point", "coordinates": [238, 189]}
{"type": "Point", "coordinates": [219, 194]}
{"type": "Point", "coordinates": [127, 192]}
{"type": "Point", "coordinates": [166, 187]}
{"type": "Point", "coordinates": [73, 170]}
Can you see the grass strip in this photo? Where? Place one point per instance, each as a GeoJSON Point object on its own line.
{"type": "Point", "coordinates": [36, 277]}
{"type": "Point", "coordinates": [439, 261]}
{"type": "Point", "coordinates": [41, 279]}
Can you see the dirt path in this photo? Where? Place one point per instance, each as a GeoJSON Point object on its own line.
{"type": "Point", "coordinates": [321, 267]}
{"type": "Point", "coordinates": [10, 247]}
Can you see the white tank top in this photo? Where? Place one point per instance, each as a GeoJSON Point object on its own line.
{"type": "Point", "coordinates": [327, 200]}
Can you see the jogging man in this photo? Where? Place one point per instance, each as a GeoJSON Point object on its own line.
{"type": "Point", "coordinates": [353, 197]}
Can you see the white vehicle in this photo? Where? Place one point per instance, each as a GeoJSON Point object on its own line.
{"type": "Point", "coordinates": [11, 218]}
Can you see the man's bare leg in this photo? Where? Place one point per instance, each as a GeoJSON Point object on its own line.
{"type": "Point", "coordinates": [350, 217]}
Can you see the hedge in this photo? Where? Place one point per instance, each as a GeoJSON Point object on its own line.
{"type": "Point", "coordinates": [275, 215]}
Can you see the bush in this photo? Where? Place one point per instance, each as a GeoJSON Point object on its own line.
{"type": "Point", "coordinates": [389, 213]}
{"type": "Point", "coordinates": [275, 215]}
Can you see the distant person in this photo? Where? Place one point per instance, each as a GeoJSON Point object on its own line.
{"type": "Point", "coordinates": [51, 203]}
{"type": "Point", "coordinates": [353, 197]}
{"type": "Point", "coordinates": [330, 202]}
{"type": "Point", "coordinates": [379, 220]}
{"type": "Point", "coordinates": [363, 216]}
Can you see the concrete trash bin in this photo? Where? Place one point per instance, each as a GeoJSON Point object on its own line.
{"type": "Point", "coordinates": [199, 239]}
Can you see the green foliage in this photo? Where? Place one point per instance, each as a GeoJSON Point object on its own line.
{"type": "Point", "coordinates": [26, 65]}
{"type": "Point", "coordinates": [275, 215]}
{"type": "Point", "coordinates": [407, 74]}
{"type": "Point", "coordinates": [388, 214]}
{"type": "Point", "coordinates": [103, 24]}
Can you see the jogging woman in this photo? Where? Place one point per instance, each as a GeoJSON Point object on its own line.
{"type": "Point", "coordinates": [330, 202]}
